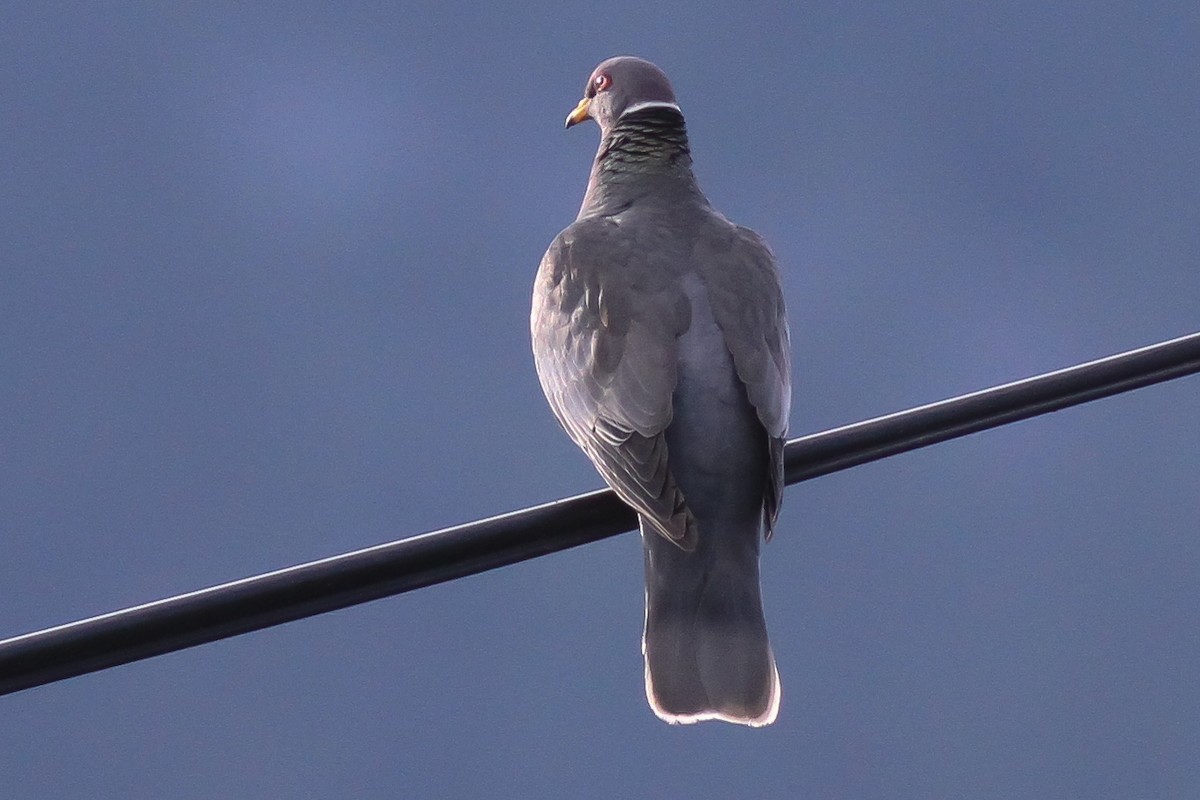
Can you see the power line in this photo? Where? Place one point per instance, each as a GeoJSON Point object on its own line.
{"type": "Point", "coordinates": [305, 590]}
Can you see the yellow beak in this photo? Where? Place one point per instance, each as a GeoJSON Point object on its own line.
{"type": "Point", "coordinates": [579, 114]}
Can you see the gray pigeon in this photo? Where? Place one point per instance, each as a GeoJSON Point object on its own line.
{"type": "Point", "coordinates": [661, 342]}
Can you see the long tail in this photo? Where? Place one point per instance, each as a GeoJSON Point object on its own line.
{"type": "Point", "coordinates": [705, 640]}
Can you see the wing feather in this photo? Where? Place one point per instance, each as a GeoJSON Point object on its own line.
{"type": "Point", "coordinates": [605, 347]}
{"type": "Point", "coordinates": [743, 281]}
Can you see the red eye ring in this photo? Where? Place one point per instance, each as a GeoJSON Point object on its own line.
{"type": "Point", "coordinates": [602, 82]}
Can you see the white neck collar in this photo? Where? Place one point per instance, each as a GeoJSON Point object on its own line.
{"type": "Point", "coordinates": [651, 104]}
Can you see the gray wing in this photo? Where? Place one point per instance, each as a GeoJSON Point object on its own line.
{"type": "Point", "coordinates": [605, 325]}
{"type": "Point", "coordinates": [743, 281]}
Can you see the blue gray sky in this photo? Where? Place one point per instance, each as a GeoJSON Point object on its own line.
{"type": "Point", "coordinates": [264, 281]}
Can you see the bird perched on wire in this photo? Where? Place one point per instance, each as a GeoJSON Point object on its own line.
{"type": "Point", "coordinates": [661, 341]}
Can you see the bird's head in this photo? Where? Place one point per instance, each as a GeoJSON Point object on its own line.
{"type": "Point", "coordinates": [618, 86]}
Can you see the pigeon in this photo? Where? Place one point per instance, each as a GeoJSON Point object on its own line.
{"type": "Point", "coordinates": [661, 342]}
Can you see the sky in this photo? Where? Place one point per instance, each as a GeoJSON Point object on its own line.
{"type": "Point", "coordinates": [264, 291]}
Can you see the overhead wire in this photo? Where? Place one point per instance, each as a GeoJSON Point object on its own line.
{"type": "Point", "coordinates": [316, 587]}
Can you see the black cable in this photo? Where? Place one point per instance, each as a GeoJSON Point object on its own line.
{"type": "Point", "coordinates": [304, 590]}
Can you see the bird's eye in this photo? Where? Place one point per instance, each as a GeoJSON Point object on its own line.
{"type": "Point", "coordinates": [602, 82]}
